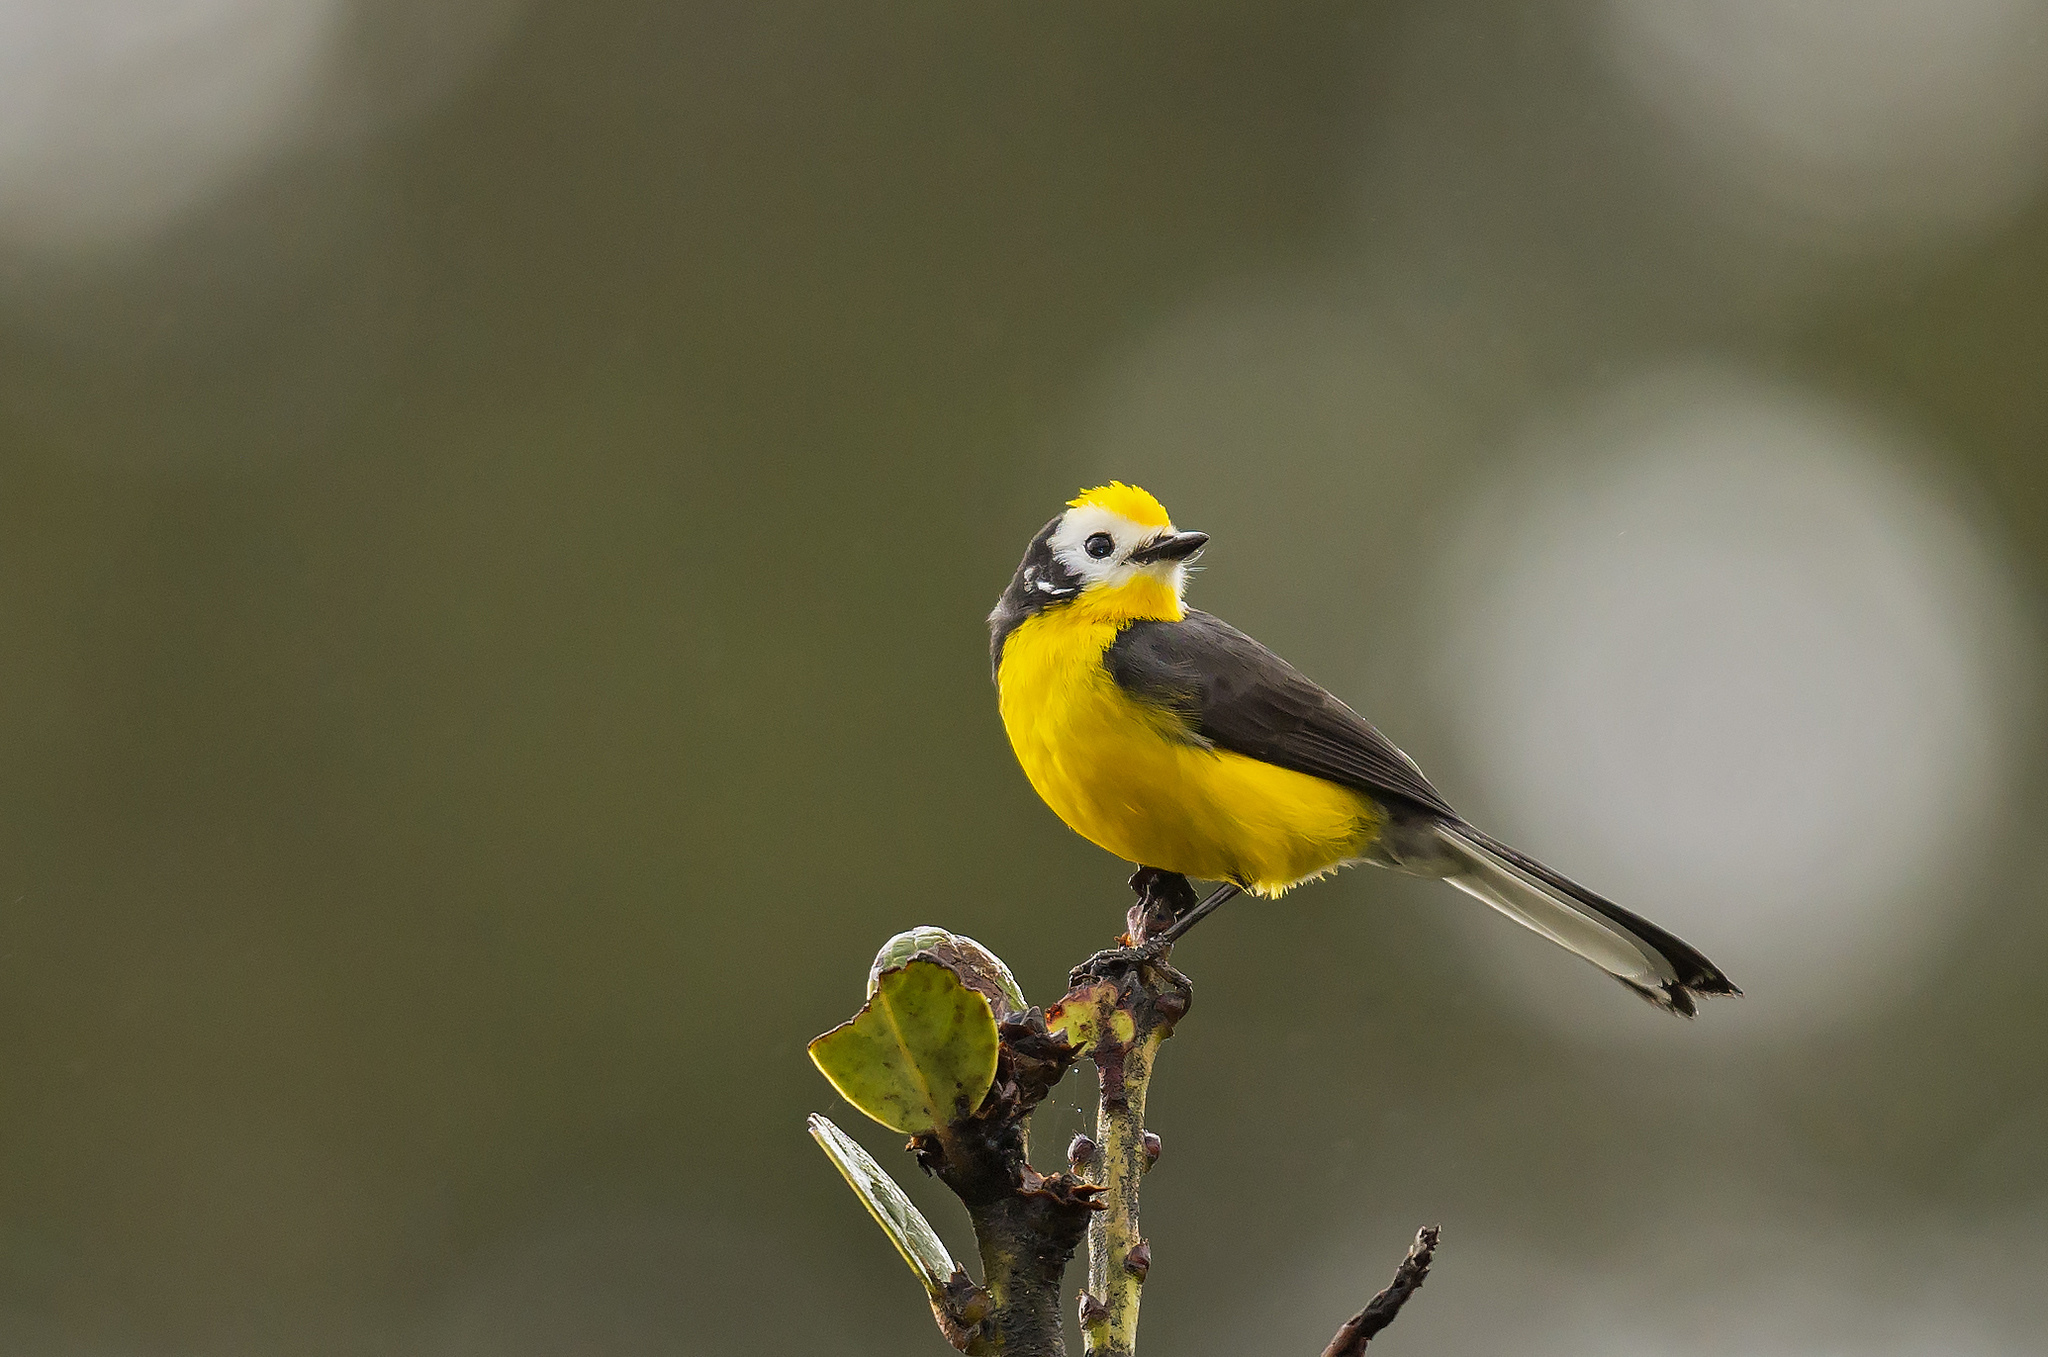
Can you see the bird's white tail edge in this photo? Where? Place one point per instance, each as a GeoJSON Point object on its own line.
{"type": "Point", "coordinates": [1487, 874]}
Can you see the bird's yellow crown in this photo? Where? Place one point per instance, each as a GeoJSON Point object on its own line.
{"type": "Point", "coordinates": [1127, 501]}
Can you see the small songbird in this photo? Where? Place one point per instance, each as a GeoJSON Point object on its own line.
{"type": "Point", "coordinates": [1176, 741]}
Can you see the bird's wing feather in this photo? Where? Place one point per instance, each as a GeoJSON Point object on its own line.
{"type": "Point", "coordinates": [1235, 694]}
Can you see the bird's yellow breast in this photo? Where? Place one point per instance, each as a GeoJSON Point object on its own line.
{"type": "Point", "coordinates": [1129, 776]}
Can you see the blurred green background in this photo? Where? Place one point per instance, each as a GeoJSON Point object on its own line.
{"type": "Point", "coordinates": [497, 508]}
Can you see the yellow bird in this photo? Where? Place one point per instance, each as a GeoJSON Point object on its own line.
{"type": "Point", "coordinates": [1179, 743]}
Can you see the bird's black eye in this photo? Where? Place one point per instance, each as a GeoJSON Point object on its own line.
{"type": "Point", "coordinates": [1099, 545]}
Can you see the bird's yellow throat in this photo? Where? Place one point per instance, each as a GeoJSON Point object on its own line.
{"type": "Point", "coordinates": [1147, 598]}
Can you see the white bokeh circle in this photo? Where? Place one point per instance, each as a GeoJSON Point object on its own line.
{"type": "Point", "coordinates": [120, 117]}
{"type": "Point", "coordinates": [1720, 651]}
{"type": "Point", "coordinates": [116, 115]}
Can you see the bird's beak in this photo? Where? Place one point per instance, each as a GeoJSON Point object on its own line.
{"type": "Point", "coordinates": [1175, 546]}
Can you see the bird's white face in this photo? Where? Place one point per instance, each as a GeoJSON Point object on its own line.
{"type": "Point", "coordinates": [1115, 548]}
{"type": "Point", "coordinates": [1096, 545]}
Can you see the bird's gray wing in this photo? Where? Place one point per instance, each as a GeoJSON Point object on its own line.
{"type": "Point", "coordinates": [1235, 694]}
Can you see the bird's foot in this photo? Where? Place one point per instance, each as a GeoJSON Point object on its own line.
{"type": "Point", "coordinates": [1162, 898]}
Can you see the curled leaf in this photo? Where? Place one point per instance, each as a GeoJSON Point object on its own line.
{"type": "Point", "coordinates": [899, 1218]}
{"type": "Point", "coordinates": [920, 1054]}
{"type": "Point", "coordinates": [978, 968]}
{"type": "Point", "coordinates": [901, 948]}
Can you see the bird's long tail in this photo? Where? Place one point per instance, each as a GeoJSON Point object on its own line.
{"type": "Point", "coordinates": [1654, 964]}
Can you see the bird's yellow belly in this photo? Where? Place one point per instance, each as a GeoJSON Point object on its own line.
{"type": "Point", "coordinates": [1125, 776]}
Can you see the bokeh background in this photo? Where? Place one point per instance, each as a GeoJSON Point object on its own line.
{"type": "Point", "coordinates": [497, 507]}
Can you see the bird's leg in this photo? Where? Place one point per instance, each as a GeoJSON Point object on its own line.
{"type": "Point", "coordinates": [1162, 897]}
{"type": "Point", "coordinates": [1179, 927]}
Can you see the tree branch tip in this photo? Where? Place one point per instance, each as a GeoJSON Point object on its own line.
{"type": "Point", "coordinates": [1379, 1312]}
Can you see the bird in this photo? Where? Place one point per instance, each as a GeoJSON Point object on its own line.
{"type": "Point", "coordinates": [1177, 742]}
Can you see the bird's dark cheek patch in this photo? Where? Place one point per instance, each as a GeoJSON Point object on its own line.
{"type": "Point", "coordinates": [1042, 580]}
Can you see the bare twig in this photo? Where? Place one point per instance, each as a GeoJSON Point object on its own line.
{"type": "Point", "coordinates": [1381, 1309]}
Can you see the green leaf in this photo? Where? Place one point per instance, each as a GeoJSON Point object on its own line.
{"type": "Point", "coordinates": [980, 969]}
{"type": "Point", "coordinates": [920, 1054]}
{"type": "Point", "coordinates": [905, 1225]}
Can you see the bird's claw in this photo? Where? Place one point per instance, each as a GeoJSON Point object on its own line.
{"type": "Point", "coordinates": [1162, 897]}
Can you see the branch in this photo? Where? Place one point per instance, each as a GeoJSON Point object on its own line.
{"type": "Point", "coordinates": [1122, 1005]}
{"type": "Point", "coordinates": [945, 1051]}
{"type": "Point", "coordinates": [1379, 1312]}
{"type": "Point", "coordinates": [1026, 1224]}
